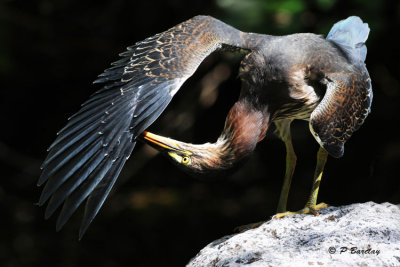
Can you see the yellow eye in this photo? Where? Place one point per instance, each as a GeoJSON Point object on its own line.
{"type": "Point", "coordinates": [185, 160]}
{"type": "Point", "coordinates": [180, 159]}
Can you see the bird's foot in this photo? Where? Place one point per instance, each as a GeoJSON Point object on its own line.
{"type": "Point", "coordinates": [307, 209]}
{"type": "Point", "coordinates": [248, 226]}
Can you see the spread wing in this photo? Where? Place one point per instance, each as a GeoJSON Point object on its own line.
{"type": "Point", "coordinates": [90, 151]}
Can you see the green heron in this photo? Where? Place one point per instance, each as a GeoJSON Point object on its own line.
{"type": "Point", "coordinates": [298, 76]}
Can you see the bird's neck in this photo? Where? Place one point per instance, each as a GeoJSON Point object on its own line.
{"type": "Point", "coordinates": [244, 128]}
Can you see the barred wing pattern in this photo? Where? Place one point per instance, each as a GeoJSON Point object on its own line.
{"type": "Point", "coordinates": [343, 109]}
{"type": "Point", "coordinates": [348, 98]}
{"type": "Point", "coordinates": [90, 151]}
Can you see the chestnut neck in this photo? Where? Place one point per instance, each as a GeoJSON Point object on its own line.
{"type": "Point", "coordinates": [244, 127]}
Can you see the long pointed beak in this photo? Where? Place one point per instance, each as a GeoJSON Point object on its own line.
{"type": "Point", "coordinates": [162, 144]}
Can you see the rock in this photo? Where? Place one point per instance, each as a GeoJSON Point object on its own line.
{"type": "Point", "coordinates": [365, 234]}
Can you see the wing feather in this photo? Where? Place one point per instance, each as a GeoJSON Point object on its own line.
{"type": "Point", "coordinates": [97, 198]}
{"type": "Point", "coordinates": [79, 194]}
{"type": "Point", "coordinates": [72, 164]}
{"type": "Point", "coordinates": [345, 106]}
{"type": "Point", "coordinates": [73, 182]}
{"type": "Point", "coordinates": [90, 151]}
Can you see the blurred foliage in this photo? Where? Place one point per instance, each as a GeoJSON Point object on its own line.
{"type": "Point", "coordinates": [50, 51]}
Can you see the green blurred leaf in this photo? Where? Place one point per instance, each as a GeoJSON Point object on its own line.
{"type": "Point", "coordinates": [292, 6]}
{"type": "Point", "coordinates": [326, 4]}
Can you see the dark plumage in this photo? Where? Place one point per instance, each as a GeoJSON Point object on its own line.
{"type": "Point", "coordinates": [300, 76]}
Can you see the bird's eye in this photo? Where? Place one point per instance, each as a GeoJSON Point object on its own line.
{"type": "Point", "coordinates": [185, 160]}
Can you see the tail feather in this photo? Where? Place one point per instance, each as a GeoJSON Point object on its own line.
{"type": "Point", "coordinates": [351, 34]}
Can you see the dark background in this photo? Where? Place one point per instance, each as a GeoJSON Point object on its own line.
{"type": "Point", "coordinates": [50, 51]}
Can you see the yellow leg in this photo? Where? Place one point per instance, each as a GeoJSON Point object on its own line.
{"type": "Point", "coordinates": [284, 133]}
{"type": "Point", "coordinates": [283, 127]}
{"type": "Point", "coordinates": [311, 205]}
{"type": "Point", "coordinates": [290, 166]}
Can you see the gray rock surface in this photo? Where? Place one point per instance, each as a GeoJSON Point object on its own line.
{"type": "Point", "coordinates": [365, 234]}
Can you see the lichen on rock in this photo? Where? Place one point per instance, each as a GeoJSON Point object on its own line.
{"type": "Point", "coordinates": [366, 234]}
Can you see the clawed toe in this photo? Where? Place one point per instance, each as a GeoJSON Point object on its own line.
{"type": "Point", "coordinates": [306, 210]}
{"type": "Point", "coordinates": [247, 227]}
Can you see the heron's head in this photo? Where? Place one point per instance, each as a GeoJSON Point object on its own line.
{"type": "Point", "coordinates": [195, 159]}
